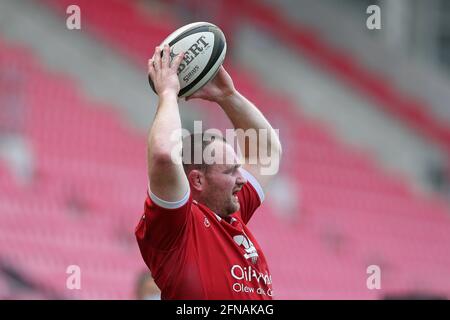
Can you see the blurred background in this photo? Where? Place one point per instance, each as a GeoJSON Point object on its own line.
{"type": "Point", "coordinates": [363, 115]}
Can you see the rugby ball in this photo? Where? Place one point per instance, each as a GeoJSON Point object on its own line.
{"type": "Point", "coordinates": [205, 47]}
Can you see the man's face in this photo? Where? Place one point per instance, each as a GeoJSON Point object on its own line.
{"type": "Point", "coordinates": [223, 180]}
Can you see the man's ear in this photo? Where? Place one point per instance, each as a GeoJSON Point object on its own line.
{"type": "Point", "coordinates": [196, 179]}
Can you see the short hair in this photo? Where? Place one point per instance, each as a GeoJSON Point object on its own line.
{"type": "Point", "coordinates": [196, 143]}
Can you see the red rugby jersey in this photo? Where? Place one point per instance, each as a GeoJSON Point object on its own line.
{"type": "Point", "coordinates": [194, 254]}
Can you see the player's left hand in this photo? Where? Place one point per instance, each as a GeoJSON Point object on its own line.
{"type": "Point", "coordinates": [216, 90]}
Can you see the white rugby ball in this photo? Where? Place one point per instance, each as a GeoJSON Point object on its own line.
{"type": "Point", "coordinates": [205, 47]}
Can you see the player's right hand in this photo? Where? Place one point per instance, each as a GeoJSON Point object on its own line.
{"type": "Point", "coordinates": [163, 73]}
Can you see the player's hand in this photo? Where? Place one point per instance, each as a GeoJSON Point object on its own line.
{"type": "Point", "coordinates": [216, 90]}
{"type": "Point", "coordinates": [163, 73]}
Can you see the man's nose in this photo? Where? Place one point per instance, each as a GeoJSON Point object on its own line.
{"type": "Point", "coordinates": [241, 180]}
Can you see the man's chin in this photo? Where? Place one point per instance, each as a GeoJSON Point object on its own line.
{"type": "Point", "coordinates": [236, 207]}
{"type": "Point", "coordinates": [233, 207]}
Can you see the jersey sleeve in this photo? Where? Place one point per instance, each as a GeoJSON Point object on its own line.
{"type": "Point", "coordinates": [250, 197]}
{"type": "Point", "coordinates": [163, 224]}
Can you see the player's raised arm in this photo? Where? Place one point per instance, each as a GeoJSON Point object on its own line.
{"type": "Point", "coordinates": [166, 176]}
{"type": "Point", "coordinates": [262, 159]}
